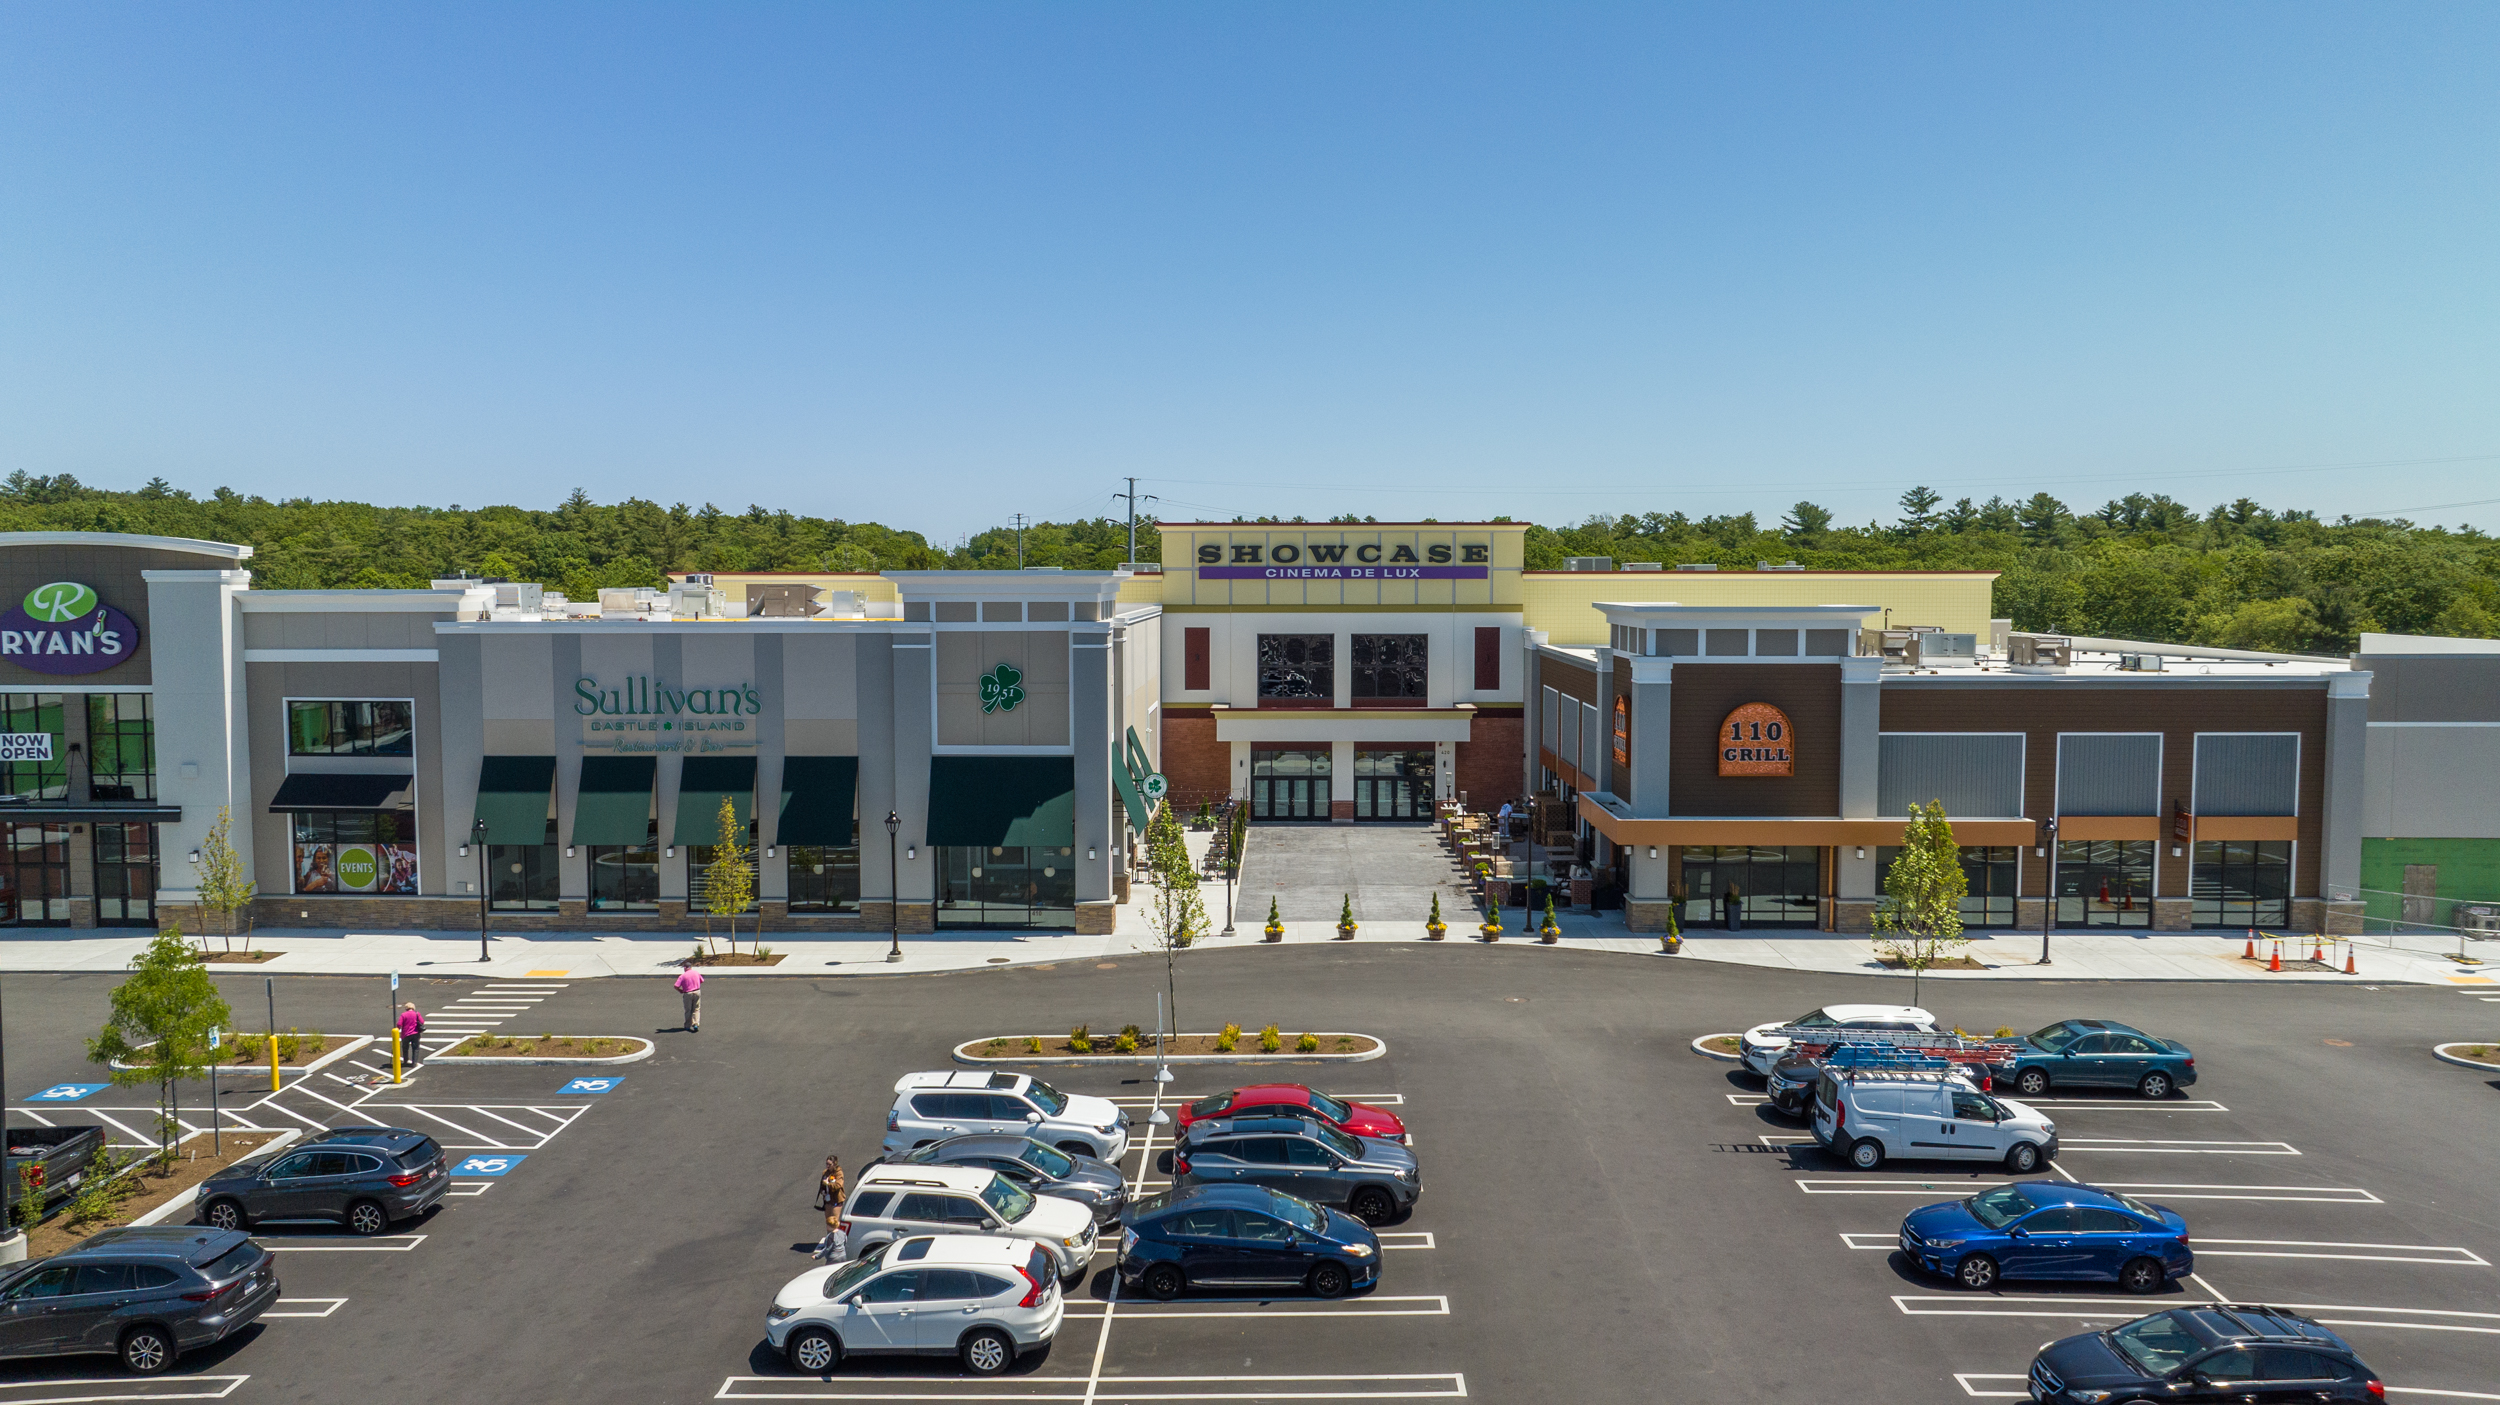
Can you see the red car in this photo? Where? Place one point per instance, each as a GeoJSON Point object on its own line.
{"type": "Point", "coordinates": [1294, 1100]}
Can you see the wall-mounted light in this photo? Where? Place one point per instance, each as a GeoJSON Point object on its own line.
{"type": "Point", "coordinates": [911, 851]}
{"type": "Point", "coordinates": [464, 851]}
{"type": "Point", "coordinates": [2175, 851]}
{"type": "Point", "coordinates": [2040, 853]}
{"type": "Point", "coordinates": [1653, 851]}
{"type": "Point", "coordinates": [768, 851]}
{"type": "Point", "coordinates": [568, 851]}
{"type": "Point", "coordinates": [1861, 851]}
{"type": "Point", "coordinates": [195, 856]}
{"type": "Point", "coordinates": [1089, 853]}
{"type": "Point", "coordinates": [670, 852]}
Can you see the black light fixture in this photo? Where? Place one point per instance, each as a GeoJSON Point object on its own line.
{"type": "Point", "coordinates": [894, 883]}
{"type": "Point", "coordinates": [2048, 892]}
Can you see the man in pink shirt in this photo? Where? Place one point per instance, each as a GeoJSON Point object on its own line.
{"type": "Point", "coordinates": [690, 985]}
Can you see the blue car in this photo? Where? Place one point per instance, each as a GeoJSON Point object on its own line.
{"type": "Point", "coordinates": [1244, 1236]}
{"type": "Point", "coordinates": [2051, 1230]}
{"type": "Point", "coordinates": [2101, 1054]}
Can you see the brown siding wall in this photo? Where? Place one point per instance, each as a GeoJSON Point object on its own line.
{"type": "Point", "coordinates": [1706, 693]}
{"type": "Point", "coordinates": [1488, 761]}
{"type": "Point", "coordinates": [1570, 680]}
{"type": "Point", "coordinates": [1197, 765]}
{"type": "Point", "coordinates": [2177, 713]}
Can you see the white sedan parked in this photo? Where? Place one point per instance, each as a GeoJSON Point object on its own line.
{"type": "Point", "coordinates": [1763, 1048]}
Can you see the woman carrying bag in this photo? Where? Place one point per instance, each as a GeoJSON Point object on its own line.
{"type": "Point", "coordinates": [829, 1197]}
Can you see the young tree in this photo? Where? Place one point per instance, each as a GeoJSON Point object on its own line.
{"type": "Point", "coordinates": [1180, 913]}
{"type": "Point", "coordinates": [159, 1025]}
{"type": "Point", "coordinates": [1922, 903]}
{"type": "Point", "coordinates": [729, 881]}
{"type": "Point", "coordinates": [223, 888]}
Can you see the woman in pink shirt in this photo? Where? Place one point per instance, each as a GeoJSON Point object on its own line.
{"type": "Point", "coordinates": [411, 1032]}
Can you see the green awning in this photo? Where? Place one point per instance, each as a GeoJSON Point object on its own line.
{"type": "Point", "coordinates": [985, 801]}
{"type": "Point", "coordinates": [817, 799]}
{"type": "Point", "coordinates": [615, 802]}
{"type": "Point", "coordinates": [702, 785]}
{"type": "Point", "coordinates": [512, 796]}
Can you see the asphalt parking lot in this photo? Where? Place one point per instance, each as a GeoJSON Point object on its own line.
{"type": "Point", "coordinates": [1606, 1216]}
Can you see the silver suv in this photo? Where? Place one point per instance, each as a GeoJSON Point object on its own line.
{"type": "Point", "coordinates": [930, 1107]}
{"type": "Point", "coordinates": [893, 1202]}
{"type": "Point", "coordinates": [1374, 1180]}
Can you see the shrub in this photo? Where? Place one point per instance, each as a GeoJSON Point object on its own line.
{"type": "Point", "coordinates": [1081, 1039]}
{"type": "Point", "coordinates": [1270, 1040]}
{"type": "Point", "coordinates": [2004, 1031]}
{"type": "Point", "coordinates": [527, 1047]}
{"type": "Point", "coordinates": [103, 1189]}
{"type": "Point", "coordinates": [1032, 1043]}
{"type": "Point", "coordinates": [29, 1194]}
{"type": "Point", "coordinates": [1345, 913]}
{"type": "Point", "coordinates": [1226, 1038]}
{"type": "Point", "coordinates": [762, 951]}
{"type": "Point", "coordinates": [1132, 1031]}
{"type": "Point", "coordinates": [1435, 919]}
{"type": "Point", "coordinates": [249, 1049]}
{"type": "Point", "coordinates": [312, 1044]}
{"type": "Point", "coordinates": [1126, 1043]}
{"type": "Point", "coordinates": [1345, 1041]}
{"type": "Point", "coordinates": [1272, 919]}
{"type": "Point", "coordinates": [1308, 1043]}
{"type": "Point", "coordinates": [290, 1044]}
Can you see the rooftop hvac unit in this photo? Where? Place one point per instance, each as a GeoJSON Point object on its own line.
{"type": "Point", "coordinates": [1942, 650]}
{"type": "Point", "coordinates": [1644, 566]}
{"type": "Point", "coordinates": [2040, 650]}
{"type": "Point", "coordinates": [1697, 565]}
{"type": "Point", "coordinates": [1897, 646]}
{"type": "Point", "coordinates": [785, 601]}
{"type": "Point", "coordinates": [1588, 563]}
{"type": "Point", "coordinates": [1783, 566]}
{"type": "Point", "coordinates": [626, 600]}
{"type": "Point", "coordinates": [2139, 663]}
{"type": "Point", "coordinates": [518, 595]}
{"type": "Point", "coordinates": [697, 598]}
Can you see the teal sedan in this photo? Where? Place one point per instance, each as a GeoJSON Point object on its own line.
{"type": "Point", "coordinates": [2101, 1054]}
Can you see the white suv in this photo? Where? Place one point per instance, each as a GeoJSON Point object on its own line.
{"type": "Point", "coordinates": [894, 1202]}
{"type": "Point", "coordinates": [982, 1299]}
{"type": "Point", "coordinates": [1763, 1048]}
{"type": "Point", "coordinates": [1868, 1117]}
{"type": "Point", "coordinates": [930, 1107]}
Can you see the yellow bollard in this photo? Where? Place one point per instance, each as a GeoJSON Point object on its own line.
{"type": "Point", "coordinates": [273, 1057]}
{"type": "Point", "coordinates": [394, 1056]}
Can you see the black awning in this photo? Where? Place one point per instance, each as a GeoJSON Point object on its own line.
{"type": "Point", "coordinates": [343, 790]}
{"type": "Point", "coordinates": [818, 800]}
{"type": "Point", "coordinates": [985, 801]}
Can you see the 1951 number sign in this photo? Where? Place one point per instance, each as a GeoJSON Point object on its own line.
{"type": "Point", "coordinates": [1756, 740]}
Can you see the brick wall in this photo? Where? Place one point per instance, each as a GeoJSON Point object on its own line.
{"type": "Point", "coordinates": [1198, 766]}
{"type": "Point", "coordinates": [1489, 762]}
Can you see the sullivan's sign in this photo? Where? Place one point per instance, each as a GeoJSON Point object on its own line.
{"type": "Point", "coordinates": [65, 628]}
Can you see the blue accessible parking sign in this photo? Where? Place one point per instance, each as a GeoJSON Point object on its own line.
{"type": "Point", "coordinates": [592, 1085]}
{"type": "Point", "coordinates": [488, 1165]}
{"type": "Point", "coordinates": [67, 1092]}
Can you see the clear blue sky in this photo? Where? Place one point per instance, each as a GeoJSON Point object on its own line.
{"type": "Point", "coordinates": [934, 264]}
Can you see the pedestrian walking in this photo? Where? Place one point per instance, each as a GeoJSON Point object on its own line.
{"type": "Point", "coordinates": [690, 985]}
{"type": "Point", "coordinates": [1501, 821]}
{"type": "Point", "coordinates": [829, 1196]}
{"type": "Point", "coordinates": [411, 1034]}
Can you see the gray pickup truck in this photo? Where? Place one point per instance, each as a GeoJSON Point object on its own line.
{"type": "Point", "coordinates": [60, 1154]}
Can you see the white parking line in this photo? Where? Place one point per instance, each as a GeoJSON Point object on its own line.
{"type": "Point", "coordinates": [305, 1307]}
{"type": "Point", "coordinates": [1422, 1237]}
{"type": "Point", "coordinates": [2197, 1148]}
{"type": "Point", "coordinates": [1434, 1386]}
{"type": "Point", "coordinates": [2450, 1394]}
{"type": "Point", "coordinates": [1748, 1099]}
{"type": "Point", "coordinates": [1136, 1310]}
{"type": "Point", "coordinates": [471, 1189]}
{"type": "Point", "coordinates": [2011, 1305]}
{"type": "Point", "coordinates": [1964, 1379]}
{"type": "Point", "coordinates": [2484, 1323]}
{"type": "Point", "coordinates": [2166, 1190]}
{"type": "Point", "coordinates": [2055, 1105]}
{"type": "Point", "coordinates": [2389, 1253]}
{"type": "Point", "coordinates": [121, 1388]}
{"type": "Point", "coordinates": [378, 1244]}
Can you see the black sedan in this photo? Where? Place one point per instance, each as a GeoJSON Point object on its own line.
{"type": "Point", "coordinates": [2225, 1351]}
{"type": "Point", "coordinates": [1244, 1236]}
{"type": "Point", "coordinates": [1037, 1166]}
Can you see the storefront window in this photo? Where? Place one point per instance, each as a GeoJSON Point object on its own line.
{"type": "Point", "coordinates": [28, 714]}
{"type": "Point", "coordinates": [1393, 785]}
{"type": "Point", "coordinates": [1006, 887]}
{"type": "Point", "coordinates": [355, 728]}
{"type": "Point", "coordinates": [823, 878]}
{"type": "Point", "coordinates": [1289, 785]}
{"type": "Point", "coordinates": [625, 878]}
{"type": "Point", "coordinates": [1298, 668]}
{"type": "Point", "coordinates": [1774, 885]}
{"type": "Point", "coordinates": [125, 875]}
{"type": "Point", "coordinates": [355, 852]}
{"type": "Point", "coordinates": [1391, 668]}
{"type": "Point", "coordinates": [121, 746]}
{"type": "Point", "coordinates": [524, 877]}
{"type": "Point", "coordinates": [2242, 883]}
{"type": "Point", "coordinates": [1992, 873]}
{"type": "Point", "coordinates": [2105, 883]}
{"type": "Point", "coordinates": [34, 875]}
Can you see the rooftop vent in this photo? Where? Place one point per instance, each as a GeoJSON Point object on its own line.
{"type": "Point", "coordinates": [1588, 563]}
{"type": "Point", "coordinates": [1643, 566]}
{"type": "Point", "coordinates": [1697, 566]}
{"type": "Point", "coordinates": [1783, 566]}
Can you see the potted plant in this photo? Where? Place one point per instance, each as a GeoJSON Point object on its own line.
{"type": "Point", "coordinates": [1434, 928]}
{"type": "Point", "coordinates": [1673, 941]}
{"type": "Point", "coordinates": [1551, 932]}
{"type": "Point", "coordinates": [1492, 916]}
{"type": "Point", "coordinates": [1345, 920]}
{"type": "Point", "coordinates": [1275, 925]}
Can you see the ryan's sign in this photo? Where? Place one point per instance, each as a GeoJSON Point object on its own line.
{"type": "Point", "coordinates": [65, 628]}
{"type": "Point", "coordinates": [1756, 740]}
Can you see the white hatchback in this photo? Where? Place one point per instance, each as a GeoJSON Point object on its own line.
{"type": "Point", "coordinates": [930, 1107]}
{"type": "Point", "coordinates": [982, 1300]}
{"type": "Point", "coordinates": [1762, 1048]}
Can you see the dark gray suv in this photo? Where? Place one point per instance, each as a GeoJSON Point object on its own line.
{"type": "Point", "coordinates": [365, 1178]}
{"type": "Point", "coordinates": [1375, 1180]}
{"type": "Point", "coordinates": [1037, 1166]}
{"type": "Point", "coordinates": [146, 1293]}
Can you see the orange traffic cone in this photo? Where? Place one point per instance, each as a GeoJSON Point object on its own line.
{"type": "Point", "coordinates": [2250, 952]}
{"type": "Point", "coordinates": [2317, 951]}
{"type": "Point", "coordinates": [2276, 964]}
{"type": "Point", "coordinates": [2349, 968]}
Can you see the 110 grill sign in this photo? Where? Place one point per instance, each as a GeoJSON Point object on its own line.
{"type": "Point", "coordinates": [1757, 740]}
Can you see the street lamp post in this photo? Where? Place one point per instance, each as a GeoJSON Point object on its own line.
{"type": "Point", "coordinates": [2048, 897]}
{"type": "Point", "coordinates": [477, 837]}
{"type": "Point", "coordinates": [894, 881]}
{"type": "Point", "coordinates": [1230, 803]}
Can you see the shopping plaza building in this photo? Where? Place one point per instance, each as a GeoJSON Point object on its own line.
{"type": "Point", "coordinates": [984, 749]}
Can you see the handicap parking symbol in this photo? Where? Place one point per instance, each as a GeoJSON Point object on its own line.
{"type": "Point", "coordinates": [592, 1085]}
{"type": "Point", "coordinates": [488, 1165]}
{"type": "Point", "coordinates": [68, 1092]}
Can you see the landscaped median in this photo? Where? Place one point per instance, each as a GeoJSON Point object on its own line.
{"type": "Point", "coordinates": [142, 1189]}
{"type": "Point", "coordinates": [1728, 1048]}
{"type": "Point", "coordinates": [1131, 1047]}
{"type": "Point", "coordinates": [298, 1052]}
{"type": "Point", "coordinates": [523, 1049]}
{"type": "Point", "coordinates": [2483, 1054]}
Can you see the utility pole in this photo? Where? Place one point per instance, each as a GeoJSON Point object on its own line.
{"type": "Point", "coordinates": [1131, 495]}
{"type": "Point", "coordinates": [1019, 541]}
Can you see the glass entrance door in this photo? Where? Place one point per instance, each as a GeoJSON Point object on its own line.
{"type": "Point", "coordinates": [1289, 785]}
{"type": "Point", "coordinates": [2242, 883]}
{"type": "Point", "coordinates": [125, 875]}
{"type": "Point", "coordinates": [34, 875]}
{"type": "Point", "coordinates": [2105, 883]}
{"type": "Point", "coordinates": [1393, 785]}
{"type": "Point", "coordinates": [1774, 885]}
{"type": "Point", "coordinates": [1006, 886]}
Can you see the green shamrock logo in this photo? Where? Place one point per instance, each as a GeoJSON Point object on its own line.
{"type": "Point", "coordinates": [1002, 688]}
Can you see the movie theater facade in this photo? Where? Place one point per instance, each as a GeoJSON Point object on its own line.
{"type": "Point", "coordinates": [391, 758]}
{"type": "Point", "coordinates": [1754, 766]}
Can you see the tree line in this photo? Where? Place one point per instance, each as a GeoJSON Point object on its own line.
{"type": "Point", "coordinates": [2139, 567]}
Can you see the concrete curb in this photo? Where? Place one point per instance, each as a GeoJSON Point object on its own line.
{"type": "Point", "coordinates": [188, 1196]}
{"type": "Point", "coordinates": [2440, 1052]}
{"type": "Point", "coordinates": [1715, 1054]}
{"type": "Point", "coordinates": [518, 1061]}
{"type": "Point", "coordinates": [1380, 1049]}
{"type": "Point", "coordinates": [328, 1057]}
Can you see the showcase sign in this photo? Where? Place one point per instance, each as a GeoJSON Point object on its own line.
{"type": "Point", "coordinates": [641, 714]}
{"type": "Point", "coordinates": [1327, 561]}
{"type": "Point", "coordinates": [1756, 740]}
{"type": "Point", "coordinates": [65, 628]}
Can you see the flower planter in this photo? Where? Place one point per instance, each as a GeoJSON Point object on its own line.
{"type": "Point", "coordinates": [1345, 931]}
{"type": "Point", "coordinates": [1274, 934]}
{"type": "Point", "coordinates": [1492, 933]}
{"type": "Point", "coordinates": [1671, 944]}
{"type": "Point", "coordinates": [1436, 931]}
{"type": "Point", "coordinates": [1550, 935]}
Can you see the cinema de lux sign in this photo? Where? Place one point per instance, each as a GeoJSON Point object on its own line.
{"type": "Point", "coordinates": [640, 713]}
{"type": "Point", "coordinates": [1343, 561]}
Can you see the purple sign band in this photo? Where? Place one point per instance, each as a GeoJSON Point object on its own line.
{"type": "Point", "coordinates": [1344, 573]}
{"type": "Point", "coordinates": [93, 642]}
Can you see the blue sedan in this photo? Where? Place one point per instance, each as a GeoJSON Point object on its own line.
{"type": "Point", "coordinates": [2101, 1054]}
{"type": "Point", "coordinates": [2053, 1230]}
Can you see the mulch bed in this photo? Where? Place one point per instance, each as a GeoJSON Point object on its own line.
{"type": "Point", "coordinates": [1944, 963]}
{"type": "Point", "coordinates": [309, 1048]}
{"type": "Point", "coordinates": [148, 1187]}
{"type": "Point", "coordinates": [563, 1046]}
{"type": "Point", "coordinates": [1010, 1049]}
{"type": "Point", "coordinates": [1722, 1044]}
{"type": "Point", "coordinates": [241, 958]}
{"type": "Point", "coordinates": [736, 958]}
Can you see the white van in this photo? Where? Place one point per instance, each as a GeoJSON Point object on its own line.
{"type": "Point", "coordinates": [1870, 1116]}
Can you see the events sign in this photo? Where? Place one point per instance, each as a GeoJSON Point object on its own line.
{"type": "Point", "coordinates": [65, 628]}
{"type": "Point", "coordinates": [1756, 740]}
